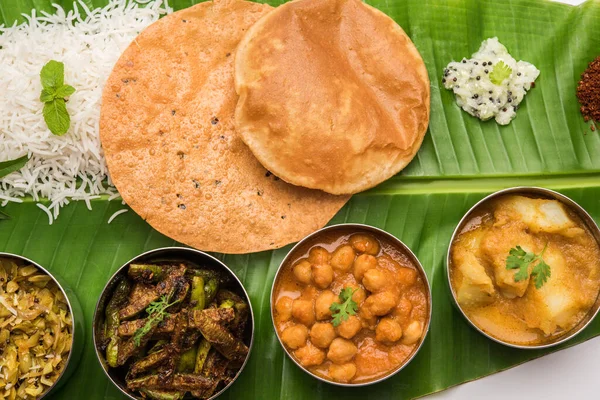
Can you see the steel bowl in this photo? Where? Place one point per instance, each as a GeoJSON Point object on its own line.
{"type": "Point", "coordinates": [78, 332]}
{"type": "Point", "coordinates": [174, 254]}
{"type": "Point", "coordinates": [351, 228]}
{"type": "Point", "coordinates": [535, 192]}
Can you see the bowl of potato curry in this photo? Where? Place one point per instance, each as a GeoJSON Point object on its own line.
{"type": "Point", "coordinates": [524, 267]}
{"type": "Point", "coordinates": [351, 304]}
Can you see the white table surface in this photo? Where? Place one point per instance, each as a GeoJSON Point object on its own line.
{"type": "Point", "coordinates": [573, 373]}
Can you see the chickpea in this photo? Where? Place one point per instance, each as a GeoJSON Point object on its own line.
{"type": "Point", "coordinates": [283, 307]}
{"type": "Point", "coordinates": [341, 351]}
{"type": "Point", "coordinates": [388, 331]}
{"type": "Point", "coordinates": [368, 320]}
{"type": "Point", "coordinates": [363, 263]}
{"type": "Point", "coordinates": [310, 355]}
{"type": "Point", "coordinates": [342, 258]}
{"type": "Point", "coordinates": [322, 334]}
{"type": "Point", "coordinates": [412, 333]}
{"type": "Point", "coordinates": [342, 373]}
{"type": "Point", "coordinates": [380, 303]}
{"type": "Point", "coordinates": [365, 244]}
{"type": "Point", "coordinates": [322, 275]}
{"type": "Point", "coordinates": [359, 295]}
{"type": "Point", "coordinates": [350, 327]}
{"type": "Point", "coordinates": [322, 304]}
{"type": "Point", "coordinates": [376, 279]}
{"type": "Point", "coordinates": [318, 255]}
{"type": "Point", "coordinates": [407, 276]}
{"type": "Point", "coordinates": [403, 309]}
{"type": "Point", "coordinates": [302, 272]}
{"type": "Point", "coordinates": [294, 336]}
{"type": "Point", "coordinates": [303, 311]}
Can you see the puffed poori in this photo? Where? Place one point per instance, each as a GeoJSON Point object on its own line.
{"type": "Point", "coordinates": [168, 135]}
{"type": "Point", "coordinates": [333, 94]}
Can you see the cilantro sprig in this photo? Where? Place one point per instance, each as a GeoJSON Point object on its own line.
{"type": "Point", "coordinates": [522, 260]}
{"type": "Point", "coordinates": [157, 311]}
{"type": "Point", "coordinates": [54, 96]}
{"type": "Point", "coordinates": [342, 311]}
{"type": "Point", "coordinates": [500, 72]}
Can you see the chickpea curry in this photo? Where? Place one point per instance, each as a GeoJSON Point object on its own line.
{"type": "Point", "coordinates": [350, 307]}
{"type": "Point", "coordinates": [525, 270]}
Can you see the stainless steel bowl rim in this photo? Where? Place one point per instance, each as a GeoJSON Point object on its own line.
{"type": "Point", "coordinates": [523, 190]}
{"type": "Point", "coordinates": [148, 253]}
{"type": "Point", "coordinates": [405, 248]}
{"type": "Point", "coordinates": [73, 325]}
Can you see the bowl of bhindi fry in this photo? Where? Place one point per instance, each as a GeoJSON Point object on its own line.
{"type": "Point", "coordinates": [173, 323]}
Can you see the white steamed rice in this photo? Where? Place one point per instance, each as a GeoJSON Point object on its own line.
{"type": "Point", "coordinates": [71, 167]}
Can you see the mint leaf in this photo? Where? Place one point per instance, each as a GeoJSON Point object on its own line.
{"type": "Point", "coordinates": [64, 91]}
{"type": "Point", "coordinates": [6, 167]}
{"type": "Point", "coordinates": [500, 72]}
{"type": "Point", "coordinates": [53, 74]}
{"type": "Point", "coordinates": [56, 117]}
{"type": "Point", "coordinates": [47, 94]}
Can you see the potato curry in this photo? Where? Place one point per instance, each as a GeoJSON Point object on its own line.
{"type": "Point", "coordinates": [525, 270]}
{"type": "Point", "coordinates": [350, 308]}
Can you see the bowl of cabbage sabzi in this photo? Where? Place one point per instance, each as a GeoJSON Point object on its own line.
{"type": "Point", "coordinates": [173, 323]}
{"type": "Point", "coordinates": [524, 267]}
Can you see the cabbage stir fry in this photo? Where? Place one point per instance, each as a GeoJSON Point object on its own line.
{"type": "Point", "coordinates": [35, 331]}
{"type": "Point", "coordinates": [174, 329]}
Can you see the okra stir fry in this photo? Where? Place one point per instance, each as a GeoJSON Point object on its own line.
{"type": "Point", "coordinates": [174, 329]}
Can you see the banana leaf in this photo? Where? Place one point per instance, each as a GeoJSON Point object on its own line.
{"type": "Point", "coordinates": [461, 161]}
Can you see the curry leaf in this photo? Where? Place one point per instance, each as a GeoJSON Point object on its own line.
{"type": "Point", "coordinates": [6, 167]}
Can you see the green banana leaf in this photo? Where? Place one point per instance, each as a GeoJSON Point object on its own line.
{"type": "Point", "coordinates": [461, 161]}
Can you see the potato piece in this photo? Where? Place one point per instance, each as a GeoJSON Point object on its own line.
{"type": "Point", "coordinates": [341, 351]}
{"type": "Point", "coordinates": [342, 373]}
{"type": "Point", "coordinates": [363, 263]}
{"type": "Point", "coordinates": [380, 303]}
{"type": "Point", "coordinates": [350, 327]}
{"type": "Point", "coordinates": [294, 336]}
{"type": "Point", "coordinates": [322, 275]}
{"type": "Point", "coordinates": [303, 311]}
{"type": "Point", "coordinates": [310, 355]}
{"type": "Point", "coordinates": [412, 333]}
{"type": "Point", "coordinates": [303, 272]}
{"type": "Point", "coordinates": [342, 258]}
{"type": "Point", "coordinates": [322, 334]}
{"type": "Point", "coordinates": [318, 255]}
{"type": "Point", "coordinates": [388, 331]}
{"type": "Point", "coordinates": [376, 280]}
{"type": "Point", "coordinates": [475, 289]}
{"type": "Point", "coordinates": [322, 304]}
{"type": "Point", "coordinates": [283, 308]}
{"type": "Point", "coordinates": [365, 244]}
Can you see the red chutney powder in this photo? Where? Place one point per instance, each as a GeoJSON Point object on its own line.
{"type": "Point", "coordinates": [588, 92]}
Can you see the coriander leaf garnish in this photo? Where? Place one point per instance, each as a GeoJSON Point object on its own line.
{"type": "Point", "coordinates": [500, 72]}
{"type": "Point", "coordinates": [53, 95]}
{"type": "Point", "coordinates": [342, 311]}
{"type": "Point", "coordinates": [156, 313]}
{"type": "Point", "coordinates": [522, 260]}
{"type": "Point", "coordinates": [6, 167]}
